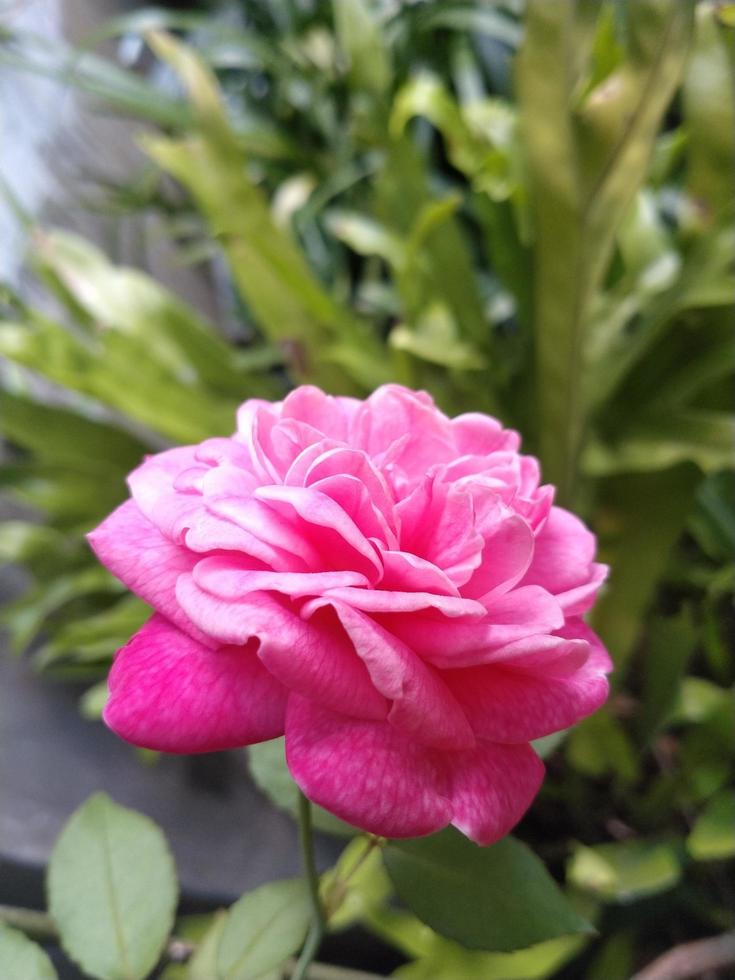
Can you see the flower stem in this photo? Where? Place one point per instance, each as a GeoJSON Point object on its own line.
{"type": "Point", "coordinates": [316, 932]}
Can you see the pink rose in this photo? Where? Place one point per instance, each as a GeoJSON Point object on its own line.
{"type": "Point", "coordinates": [389, 587]}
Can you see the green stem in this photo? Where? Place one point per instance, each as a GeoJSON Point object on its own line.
{"type": "Point", "coordinates": [316, 933]}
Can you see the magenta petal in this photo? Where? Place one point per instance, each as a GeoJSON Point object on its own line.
{"type": "Point", "coordinates": [492, 786]}
{"type": "Point", "coordinates": [365, 772]}
{"type": "Point", "coordinates": [314, 658]}
{"type": "Point", "coordinates": [422, 704]}
{"type": "Point", "coordinates": [517, 705]}
{"type": "Point", "coordinates": [170, 693]}
{"type": "Point", "coordinates": [148, 563]}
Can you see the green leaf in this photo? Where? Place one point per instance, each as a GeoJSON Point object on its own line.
{"type": "Point", "coordinates": [699, 700]}
{"type": "Point", "coordinates": [356, 885]}
{"type": "Point", "coordinates": [267, 762]}
{"type": "Point", "coordinates": [585, 167]}
{"type": "Point", "coordinates": [625, 871]}
{"type": "Point", "coordinates": [203, 964]}
{"type": "Point", "coordinates": [22, 959]}
{"type": "Point", "coordinates": [599, 745]}
{"type": "Point", "coordinates": [639, 519]}
{"type": "Point", "coordinates": [448, 961]}
{"type": "Point", "coordinates": [669, 649]}
{"type": "Point", "coordinates": [362, 46]}
{"type": "Point", "coordinates": [495, 898]}
{"type": "Point", "coordinates": [263, 928]}
{"type": "Point", "coordinates": [713, 836]}
{"type": "Point", "coordinates": [112, 890]}
{"type": "Point", "coordinates": [708, 102]}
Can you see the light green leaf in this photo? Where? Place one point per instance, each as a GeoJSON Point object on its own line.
{"type": "Point", "coordinates": [699, 700]}
{"type": "Point", "coordinates": [112, 890]}
{"type": "Point", "coordinates": [362, 46]}
{"type": "Point", "coordinates": [708, 102]}
{"type": "Point", "coordinates": [356, 884]}
{"type": "Point", "coordinates": [262, 929]}
{"type": "Point", "coordinates": [495, 898]}
{"type": "Point", "coordinates": [625, 871]}
{"type": "Point", "coordinates": [713, 836]}
{"type": "Point", "coordinates": [203, 964]}
{"type": "Point", "coordinates": [22, 959]}
{"type": "Point", "coordinates": [92, 702]}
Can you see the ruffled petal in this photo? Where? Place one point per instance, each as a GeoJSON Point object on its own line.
{"type": "Point", "coordinates": [511, 703]}
{"type": "Point", "coordinates": [172, 694]}
{"type": "Point", "coordinates": [314, 658]}
{"type": "Point", "coordinates": [365, 772]}
{"type": "Point", "coordinates": [524, 612]}
{"type": "Point", "coordinates": [422, 704]}
{"type": "Point", "coordinates": [145, 561]}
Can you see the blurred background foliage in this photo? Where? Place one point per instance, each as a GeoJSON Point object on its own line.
{"type": "Point", "coordinates": [525, 208]}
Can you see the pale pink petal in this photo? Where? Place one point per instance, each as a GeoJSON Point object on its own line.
{"type": "Point", "coordinates": [404, 572]}
{"type": "Point", "coordinates": [148, 563]}
{"type": "Point", "coordinates": [270, 527]}
{"type": "Point", "coordinates": [477, 434]}
{"type": "Point", "coordinates": [563, 561]}
{"type": "Point", "coordinates": [422, 705]}
{"type": "Point", "coordinates": [152, 486]}
{"type": "Point", "coordinates": [353, 498]}
{"type": "Point", "coordinates": [325, 526]}
{"type": "Point", "coordinates": [523, 612]}
{"type": "Point", "coordinates": [438, 524]}
{"type": "Point", "coordinates": [365, 772]}
{"type": "Point", "coordinates": [171, 694]}
{"type": "Point", "coordinates": [210, 533]}
{"type": "Point", "coordinates": [327, 414]}
{"type": "Point", "coordinates": [507, 553]}
{"type": "Point", "coordinates": [376, 601]}
{"type": "Point", "coordinates": [314, 658]}
{"type": "Point", "coordinates": [491, 787]}
{"type": "Point", "coordinates": [224, 577]}
{"type": "Point", "coordinates": [577, 629]}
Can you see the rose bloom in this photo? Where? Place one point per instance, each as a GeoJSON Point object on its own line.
{"type": "Point", "coordinates": [390, 588]}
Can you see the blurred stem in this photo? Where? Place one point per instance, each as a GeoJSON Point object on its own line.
{"type": "Point", "coordinates": [316, 933]}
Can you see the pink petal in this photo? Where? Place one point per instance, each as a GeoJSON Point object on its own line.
{"type": "Point", "coordinates": [516, 615]}
{"type": "Point", "coordinates": [507, 704]}
{"type": "Point", "coordinates": [152, 486]}
{"type": "Point", "coordinates": [377, 601]}
{"type": "Point", "coordinates": [170, 693]}
{"type": "Point", "coordinates": [438, 524]}
{"type": "Point", "coordinates": [325, 526]}
{"type": "Point", "coordinates": [563, 561]}
{"type": "Point", "coordinates": [210, 533]}
{"type": "Point", "coordinates": [404, 572]}
{"type": "Point", "coordinates": [365, 772]}
{"type": "Point", "coordinates": [268, 526]}
{"type": "Point", "coordinates": [577, 629]}
{"type": "Point", "coordinates": [422, 705]}
{"type": "Point", "coordinates": [148, 563]}
{"type": "Point", "coordinates": [222, 577]}
{"type": "Point", "coordinates": [491, 787]}
{"type": "Point", "coordinates": [507, 553]}
{"type": "Point", "coordinates": [314, 658]}
{"type": "Point", "coordinates": [477, 435]}
{"type": "Point", "coordinates": [329, 415]}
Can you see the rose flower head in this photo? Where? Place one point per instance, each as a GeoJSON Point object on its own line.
{"type": "Point", "coordinates": [391, 588]}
